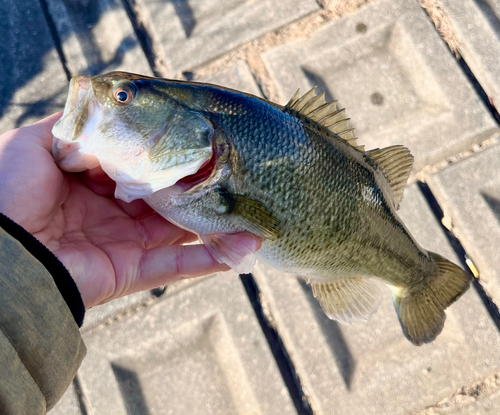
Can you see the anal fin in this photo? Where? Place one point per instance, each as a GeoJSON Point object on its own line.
{"type": "Point", "coordinates": [347, 300]}
{"type": "Point", "coordinates": [236, 250]}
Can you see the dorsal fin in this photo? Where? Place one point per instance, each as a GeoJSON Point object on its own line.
{"type": "Point", "coordinates": [315, 109]}
{"type": "Point", "coordinates": [395, 163]}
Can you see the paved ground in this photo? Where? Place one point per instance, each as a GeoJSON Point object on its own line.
{"type": "Point", "coordinates": [424, 74]}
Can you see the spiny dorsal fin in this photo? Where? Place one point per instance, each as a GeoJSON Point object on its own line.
{"type": "Point", "coordinates": [395, 162]}
{"type": "Point", "coordinates": [314, 108]}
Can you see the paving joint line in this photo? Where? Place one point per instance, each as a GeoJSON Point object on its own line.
{"type": "Point", "coordinates": [465, 396]}
{"type": "Point", "coordinates": [288, 32]}
{"type": "Point", "coordinates": [123, 314]}
{"type": "Point", "coordinates": [479, 89]}
{"type": "Point", "coordinates": [55, 38]}
{"type": "Point", "coordinates": [298, 29]}
{"type": "Point", "coordinates": [324, 4]}
{"type": "Point", "coordinates": [260, 74]}
{"type": "Point", "coordinates": [487, 301]}
{"type": "Point", "coordinates": [157, 294]}
{"type": "Point", "coordinates": [444, 27]}
{"type": "Point", "coordinates": [147, 38]}
{"type": "Point", "coordinates": [278, 349]}
{"type": "Point", "coordinates": [442, 23]}
{"type": "Point", "coordinates": [443, 164]}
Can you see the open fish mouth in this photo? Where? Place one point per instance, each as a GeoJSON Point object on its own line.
{"type": "Point", "coordinates": [91, 134]}
{"type": "Point", "coordinates": [201, 176]}
{"type": "Point", "coordinates": [68, 132]}
{"type": "Point", "coordinates": [78, 87]}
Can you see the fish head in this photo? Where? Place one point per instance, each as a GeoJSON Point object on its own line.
{"type": "Point", "coordinates": [145, 136]}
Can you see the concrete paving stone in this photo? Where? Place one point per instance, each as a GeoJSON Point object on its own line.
{"type": "Point", "coordinates": [486, 406]}
{"type": "Point", "coordinates": [371, 368]}
{"type": "Point", "coordinates": [237, 76]}
{"type": "Point", "coordinates": [195, 31]}
{"type": "Point", "coordinates": [121, 307]}
{"type": "Point", "coordinates": [97, 36]}
{"type": "Point", "coordinates": [476, 26]}
{"type": "Point", "coordinates": [198, 351]}
{"type": "Point", "coordinates": [33, 83]}
{"type": "Point", "coordinates": [69, 404]}
{"type": "Point", "coordinates": [469, 194]}
{"type": "Point", "coordinates": [103, 313]}
{"type": "Point", "coordinates": [389, 68]}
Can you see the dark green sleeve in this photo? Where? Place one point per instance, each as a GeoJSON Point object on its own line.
{"type": "Point", "coordinates": [40, 343]}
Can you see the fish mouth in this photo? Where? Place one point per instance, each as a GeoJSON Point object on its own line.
{"type": "Point", "coordinates": [201, 176]}
{"type": "Point", "coordinates": [81, 114]}
{"type": "Point", "coordinates": [78, 88]}
{"type": "Point", "coordinates": [78, 146]}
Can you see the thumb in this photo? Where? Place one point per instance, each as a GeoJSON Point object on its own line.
{"type": "Point", "coordinates": [42, 130]}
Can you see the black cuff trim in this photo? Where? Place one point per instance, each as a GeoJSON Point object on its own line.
{"type": "Point", "coordinates": [60, 274]}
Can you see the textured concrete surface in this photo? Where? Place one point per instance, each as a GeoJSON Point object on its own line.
{"type": "Point", "coordinates": [195, 31]}
{"type": "Point", "coordinates": [469, 193]}
{"type": "Point", "coordinates": [371, 365]}
{"type": "Point", "coordinates": [395, 77]}
{"type": "Point", "coordinates": [97, 36]}
{"type": "Point", "coordinates": [69, 404]}
{"type": "Point", "coordinates": [104, 313]}
{"type": "Point", "coordinates": [476, 27]}
{"type": "Point", "coordinates": [199, 347]}
{"type": "Point", "coordinates": [236, 76]}
{"type": "Point", "coordinates": [487, 406]}
{"type": "Point", "coordinates": [33, 82]}
{"type": "Point", "coordinates": [199, 351]}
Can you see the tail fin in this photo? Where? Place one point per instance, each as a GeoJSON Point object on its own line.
{"type": "Point", "coordinates": [421, 312]}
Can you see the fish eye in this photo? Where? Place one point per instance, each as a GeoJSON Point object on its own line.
{"type": "Point", "coordinates": [123, 95]}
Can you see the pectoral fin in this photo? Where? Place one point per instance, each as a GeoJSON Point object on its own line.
{"type": "Point", "coordinates": [250, 214]}
{"type": "Point", "coordinates": [349, 299]}
{"type": "Point", "coordinates": [236, 250]}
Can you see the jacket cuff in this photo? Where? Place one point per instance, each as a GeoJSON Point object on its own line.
{"type": "Point", "coordinates": [62, 278]}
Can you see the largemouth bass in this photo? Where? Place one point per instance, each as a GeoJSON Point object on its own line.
{"type": "Point", "coordinates": [285, 184]}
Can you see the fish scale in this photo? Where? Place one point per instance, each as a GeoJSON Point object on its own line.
{"type": "Point", "coordinates": [309, 180]}
{"type": "Point", "coordinates": [245, 173]}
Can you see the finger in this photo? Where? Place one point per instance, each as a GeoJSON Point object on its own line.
{"type": "Point", "coordinates": [168, 264]}
{"type": "Point", "coordinates": [160, 232]}
{"type": "Point", "coordinates": [46, 124]}
{"type": "Point", "coordinates": [40, 132]}
{"type": "Point", "coordinates": [43, 130]}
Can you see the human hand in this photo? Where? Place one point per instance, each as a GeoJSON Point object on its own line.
{"type": "Point", "coordinates": [111, 248]}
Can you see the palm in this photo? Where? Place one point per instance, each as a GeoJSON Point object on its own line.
{"type": "Point", "coordinates": [109, 247]}
{"type": "Point", "coordinates": [103, 246]}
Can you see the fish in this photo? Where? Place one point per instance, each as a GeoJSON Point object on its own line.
{"type": "Point", "coordinates": [285, 184]}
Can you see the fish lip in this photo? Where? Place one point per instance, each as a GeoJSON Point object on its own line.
{"type": "Point", "coordinates": [66, 147]}
{"type": "Point", "coordinates": [81, 102]}
{"type": "Point", "coordinates": [77, 93]}
{"type": "Point", "coordinates": [78, 87]}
